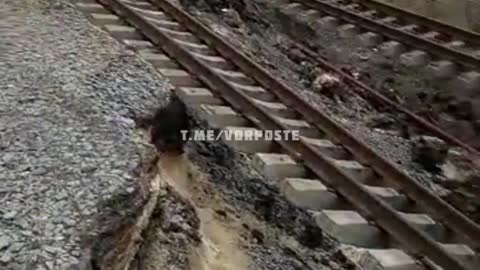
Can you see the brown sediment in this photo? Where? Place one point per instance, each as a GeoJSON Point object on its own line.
{"type": "Point", "coordinates": [185, 230]}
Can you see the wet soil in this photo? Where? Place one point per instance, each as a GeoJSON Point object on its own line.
{"type": "Point", "coordinates": [200, 224]}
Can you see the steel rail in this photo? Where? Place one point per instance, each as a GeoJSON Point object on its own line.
{"type": "Point", "coordinates": [412, 40]}
{"type": "Point", "coordinates": [434, 205]}
{"type": "Point", "coordinates": [372, 93]}
{"type": "Point", "coordinates": [436, 25]}
{"type": "Point", "coordinates": [415, 240]}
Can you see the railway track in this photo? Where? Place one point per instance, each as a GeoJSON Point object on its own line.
{"type": "Point", "coordinates": [357, 18]}
{"type": "Point", "coordinates": [446, 53]}
{"type": "Point", "coordinates": [371, 94]}
{"type": "Point", "coordinates": [431, 39]}
{"type": "Point", "coordinates": [447, 34]}
{"type": "Point", "coordinates": [358, 197]}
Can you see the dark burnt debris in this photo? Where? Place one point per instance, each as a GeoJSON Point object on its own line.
{"type": "Point", "coordinates": [166, 126]}
{"type": "Point", "coordinates": [430, 153]}
{"type": "Point", "coordinates": [229, 170]}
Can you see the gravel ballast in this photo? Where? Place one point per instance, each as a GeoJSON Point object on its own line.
{"type": "Point", "coordinates": [68, 97]}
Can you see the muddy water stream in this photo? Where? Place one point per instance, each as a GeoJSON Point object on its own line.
{"type": "Point", "coordinates": [220, 242]}
{"type": "Point", "coordinates": [462, 13]}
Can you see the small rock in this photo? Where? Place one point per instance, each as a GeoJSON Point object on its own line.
{"type": "Point", "coordinates": [40, 171]}
{"type": "Point", "coordinates": [5, 241]}
{"type": "Point", "coordinates": [232, 18]}
{"type": "Point", "coordinates": [174, 223]}
{"type": "Point", "coordinates": [450, 172]}
{"type": "Point", "coordinates": [393, 95]}
{"type": "Point", "coordinates": [49, 265]}
{"type": "Point", "coordinates": [88, 169]}
{"type": "Point", "coordinates": [6, 257]}
{"type": "Point", "coordinates": [7, 157]}
{"type": "Point", "coordinates": [10, 215]}
{"type": "Point", "coordinates": [16, 247]}
{"type": "Point", "coordinates": [383, 121]}
{"type": "Point", "coordinates": [429, 152]}
{"type": "Point", "coordinates": [296, 55]}
{"type": "Point", "coordinates": [221, 213]}
{"type": "Point", "coordinates": [50, 249]}
{"type": "Point", "coordinates": [327, 84]}
{"type": "Point", "coordinates": [364, 57]}
{"type": "Point", "coordinates": [311, 236]}
{"type": "Point", "coordinates": [27, 233]}
{"type": "Point", "coordinates": [257, 236]}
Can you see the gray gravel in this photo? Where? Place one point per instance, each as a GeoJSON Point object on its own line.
{"type": "Point", "coordinates": [68, 94]}
{"type": "Point", "coordinates": [399, 151]}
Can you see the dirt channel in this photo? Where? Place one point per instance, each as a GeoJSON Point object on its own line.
{"type": "Point", "coordinates": [200, 224]}
{"type": "Point", "coordinates": [190, 228]}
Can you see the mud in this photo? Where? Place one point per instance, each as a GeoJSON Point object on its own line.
{"type": "Point", "coordinates": [199, 223]}
{"type": "Point", "coordinates": [218, 233]}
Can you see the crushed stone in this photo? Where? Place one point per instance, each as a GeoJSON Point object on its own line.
{"type": "Point", "coordinates": [68, 97]}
